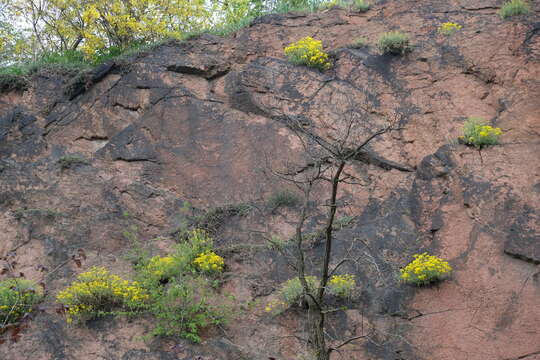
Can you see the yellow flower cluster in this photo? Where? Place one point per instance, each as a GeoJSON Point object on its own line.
{"type": "Point", "coordinates": [309, 52]}
{"type": "Point", "coordinates": [161, 267]}
{"type": "Point", "coordinates": [448, 28]}
{"type": "Point", "coordinates": [98, 291]}
{"type": "Point", "coordinates": [276, 306]}
{"type": "Point", "coordinates": [477, 134]}
{"type": "Point", "coordinates": [424, 269]}
{"type": "Point", "coordinates": [342, 285]}
{"type": "Point", "coordinates": [209, 261]}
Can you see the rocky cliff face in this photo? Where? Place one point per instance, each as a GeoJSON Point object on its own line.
{"type": "Point", "coordinates": [202, 121]}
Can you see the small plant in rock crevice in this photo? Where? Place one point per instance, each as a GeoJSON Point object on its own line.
{"type": "Point", "coordinates": [359, 43]}
{"type": "Point", "coordinates": [477, 133]}
{"type": "Point", "coordinates": [17, 298]}
{"type": "Point", "coordinates": [513, 8]}
{"type": "Point", "coordinates": [291, 291]}
{"type": "Point", "coordinates": [425, 269]}
{"type": "Point", "coordinates": [394, 42]}
{"type": "Point", "coordinates": [449, 28]}
{"type": "Point", "coordinates": [283, 198]}
{"type": "Point", "coordinates": [308, 52]}
{"type": "Point", "coordinates": [342, 285]}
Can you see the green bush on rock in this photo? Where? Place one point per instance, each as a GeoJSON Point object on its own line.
{"type": "Point", "coordinates": [513, 8]}
{"type": "Point", "coordinates": [394, 42]}
{"type": "Point", "coordinates": [17, 297]}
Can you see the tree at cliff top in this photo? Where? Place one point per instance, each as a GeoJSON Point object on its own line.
{"type": "Point", "coordinates": [32, 27]}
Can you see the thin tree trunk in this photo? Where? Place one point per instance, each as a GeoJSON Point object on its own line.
{"type": "Point", "coordinates": [328, 230]}
{"type": "Point", "coordinates": [316, 316]}
{"type": "Point", "coordinates": [316, 329]}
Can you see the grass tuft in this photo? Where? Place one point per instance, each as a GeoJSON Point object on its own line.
{"type": "Point", "coordinates": [513, 8]}
{"type": "Point", "coordinates": [394, 42]}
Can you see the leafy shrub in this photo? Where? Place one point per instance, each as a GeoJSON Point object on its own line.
{"type": "Point", "coordinates": [343, 221]}
{"type": "Point", "coordinates": [342, 285]}
{"type": "Point", "coordinates": [425, 269]}
{"type": "Point", "coordinates": [361, 5]}
{"type": "Point", "coordinates": [358, 5]}
{"type": "Point", "coordinates": [394, 42]}
{"type": "Point", "coordinates": [309, 52]}
{"type": "Point", "coordinates": [359, 43]}
{"type": "Point", "coordinates": [12, 82]}
{"type": "Point", "coordinates": [157, 270]}
{"type": "Point", "coordinates": [448, 28]}
{"type": "Point", "coordinates": [291, 292]}
{"type": "Point", "coordinates": [284, 198]}
{"type": "Point", "coordinates": [198, 241]}
{"type": "Point", "coordinates": [514, 7]}
{"type": "Point", "coordinates": [160, 269]}
{"type": "Point", "coordinates": [180, 297]}
{"type": "Point", "coordinates": [97, 292]}
{"type": "Point", "coordinates": [476, 133]}
{"type": "Point", "coordinates": [17, 297]}
{"type": "Point", "coordinates": [209, 262]}
{"type": "Point", "coordinates": [184, 308]}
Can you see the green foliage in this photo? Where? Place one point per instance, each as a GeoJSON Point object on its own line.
{"type": "Point", "coordinates": [343, 221]}
{"type": "Point", "coordinates": [183, 298]}
{"type": "Point", "coordinates": [97, 292]}
{"type": "Point", "coordinates": [283, 198]}
{"type": "Point", "coordinates": [361, 5]}
{"type": "Point", "coordinates": [513, 8]}
{"type": "Point", "coordinates": [176, 289]}
{"type": "Point", "coordinates": [342, 285]}
{"type": "Point", "coordinates": [198, 241]}
{"type": "Point", "coordinates": [12, 82]}
{"type": "Point", "coordinates": [61, 44]}
{"type": "Point", "coordinates": [185, 307]}
{"type": "Point", "coordinates": [137, 254]}
{"type": "Point", "coordinates": [308, 52]}
{"type": "Point", "coordinates": [425, 269]}
{"type": "Point", "coordinates": [286, 6]}
{"type": "Point", "coordinates": [359, 43]}
{"type": "Point", "coordinates": [477, 133]}
{"type": "Point", "coordinates": [394, 42]}
{"type": "Point", "coordinates": [160, 269]}
{"type": "Point", "coordinates": [17, 297]}
{"type": "Point", "coordinates": [358, 5]}
{"type": "Point", "coordinates": [277, 243]}
{"type": "Point", "coordinates": [291, 291]}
